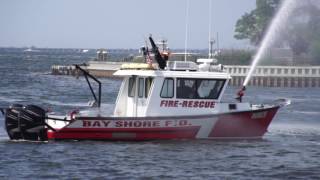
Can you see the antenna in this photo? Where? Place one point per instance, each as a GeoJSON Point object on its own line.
{"type": "Point", "coordinates": [187, 27]}
{"type": "Point", "coordinates": [210, 26]}
{"type": "Point", "coordinates": [218, 48]}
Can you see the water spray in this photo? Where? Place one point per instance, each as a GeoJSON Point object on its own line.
{"type": "Point", "coordinates": [281, 16]}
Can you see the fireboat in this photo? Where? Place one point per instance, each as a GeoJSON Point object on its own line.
{"type": "Point", "coordinates": [156, 101]}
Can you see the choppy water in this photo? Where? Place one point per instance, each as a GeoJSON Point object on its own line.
{"type": "Point", "coordinates": [290, 150]}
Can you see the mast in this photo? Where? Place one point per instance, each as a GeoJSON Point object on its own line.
{"type": "Point", "coordinates": [211, 41]}
{"type": "Point", "coordinates": [210, 26]}
{"type": "Point", "coordinates": [186, 35]}
{"type": "Point", "coordinates": [218, 48]}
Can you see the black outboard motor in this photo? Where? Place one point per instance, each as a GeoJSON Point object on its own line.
{"type": "Point", "coordinates": [26, 123]}
{"type": "Point", "coordinates": [161, 61]}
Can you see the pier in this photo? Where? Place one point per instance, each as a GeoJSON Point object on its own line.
{"type": "Point", "coordinates": [96, 68]}
{"type": "Point", "coordinates": [266, 76]}
{"type": "Point", "coordinates": [277, 76]}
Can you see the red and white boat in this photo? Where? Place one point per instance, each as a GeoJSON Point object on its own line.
{"type": "Point", "coordinates": [176, 100]}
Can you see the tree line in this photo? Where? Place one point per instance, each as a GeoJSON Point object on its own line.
{"type": "Point", "coordinates": [301, 33]}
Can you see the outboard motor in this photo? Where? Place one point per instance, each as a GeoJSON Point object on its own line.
{"type": "Point", "coordinates": [26, 123]}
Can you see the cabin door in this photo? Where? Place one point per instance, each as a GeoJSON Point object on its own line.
{"type": "Point", "coordinates": [142, 98]}
{"type": "Point", "coordinates": [138, 91]}
{"type": "Point", "coordinates": [132, 97]}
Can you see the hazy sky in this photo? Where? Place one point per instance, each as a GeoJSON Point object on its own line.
{"type": "Point", "coordinates": [117, 23]}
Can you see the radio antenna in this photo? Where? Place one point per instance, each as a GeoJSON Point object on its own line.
{"type": "Point", "coordinates": [187, 27]}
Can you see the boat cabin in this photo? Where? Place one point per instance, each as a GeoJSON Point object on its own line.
{"type": "Point", "coordinates": [181, 90]}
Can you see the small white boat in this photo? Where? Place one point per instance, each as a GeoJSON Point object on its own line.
{"type": "Point", "coordinates": [175, 100]}
{"type": "Point", "coordinates": [31, 50]}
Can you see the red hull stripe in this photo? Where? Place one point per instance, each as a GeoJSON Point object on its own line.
{"type": "Point", "coordinates": [125, 133]}
{"type": "Point", "coordinates": [248, 124]}
{"type": "Point", "coordinates": [230, 125]}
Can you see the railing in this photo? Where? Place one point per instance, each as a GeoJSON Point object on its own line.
{"type": "Point", "coordinates": [276, 71]}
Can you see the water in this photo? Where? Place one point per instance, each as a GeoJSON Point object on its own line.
{"type": "Point", "coordinates": [290, 150]}
{"type": "Point", "coordinates": [273, 32]}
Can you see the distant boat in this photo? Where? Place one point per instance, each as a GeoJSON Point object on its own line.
{"type": "Point", "coordinates": [84, 50]}
{"type": "Point", "coordinates": [31, 50]}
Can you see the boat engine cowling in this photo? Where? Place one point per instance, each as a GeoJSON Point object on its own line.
{"type": "Point", "coordinates": [26, 122]}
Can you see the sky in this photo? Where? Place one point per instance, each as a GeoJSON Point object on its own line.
{"type": "Point", "coordinates": [118, 23]}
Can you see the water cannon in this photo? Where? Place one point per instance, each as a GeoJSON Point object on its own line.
{"type": "Point", "coordinates": [160, 60]}
{"type": "Point", "coordinates": [240, 93]}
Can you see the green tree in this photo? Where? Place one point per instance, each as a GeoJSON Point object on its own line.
{"type": "Point", "coordinates": [315, 51]}
{"type": "Point", "coordinates": [301, 33]}
{"type": "Point", "coordinates": [253, 25]}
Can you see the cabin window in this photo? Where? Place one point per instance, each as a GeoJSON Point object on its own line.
{"type": "Point", "coordinates": [186, 88]}
{"type": "Point", "coordinates": [147, 86]}
{"type": "Point", "coordinates": [167, 88]}
{"type": "Point", "coordinates": [131, 88]}
{"type": "Point", "coordinates": [141, 87]}
{"type": "Point", "coordinates": [199, 88]}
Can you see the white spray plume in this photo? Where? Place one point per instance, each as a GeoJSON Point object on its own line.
{"type": "Point", "coordinates": [276, 25]}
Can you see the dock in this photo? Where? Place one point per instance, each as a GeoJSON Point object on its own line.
{"type": "Point", "coordinates": [265, 76]}
{"type": "Point", "coordinates": [277, 76]}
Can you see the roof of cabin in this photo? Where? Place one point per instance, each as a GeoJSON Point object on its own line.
{"type": "Point", "coordinates": [166, 73]}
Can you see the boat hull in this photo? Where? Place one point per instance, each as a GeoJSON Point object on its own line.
{"type": "Point", "coordinates": [244, 124]}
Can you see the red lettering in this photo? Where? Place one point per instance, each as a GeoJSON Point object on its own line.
{"type": "Point", "coordinates": [106, 123]}
{"type": "Point", "coordinates": [168, 123]}
{"type": "Point", "coordinates": [127, 123]}
{"type": "Point", "coordinates": [119, 124]}
{"type": "Point", "coordinates": [155, 123]}
{"type": "Point", "coordinates": [96, 124]}
{"type": "Point", "coordinates": [86, 123]}
{"type": "Point", "coordinates": [184, 103]}
{"type": "Point", "coordinates": [183, 122]}
{"type": "Point", "coordinates": [190, 104]}
{"type": "Point", "coordinates": [196, 104]}
{"type": "Point", "coordinates": [176, 103]}
{"type": "Point", "coordinates": [163, 103]}
{"type": "Point", "coordinates": [137, 124]}
{"type": "Point", "coordinates": [212, 104]}
{"type": "Point", "coordinates": [146, 124]}
{"type": "Point", "coordinates": [201, 104]}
